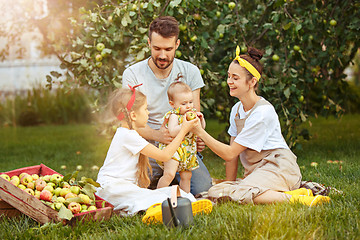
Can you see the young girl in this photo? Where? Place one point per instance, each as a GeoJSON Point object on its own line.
{"type": "Point", "coordinates": [184, 160]}
{"type": "Point", "coordinates": [271, 172]}
{"type": "Point", "coordinates": [124, 176]}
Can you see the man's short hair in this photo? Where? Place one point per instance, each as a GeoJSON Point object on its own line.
{"type": "Point", "coordinates": [166, 26]}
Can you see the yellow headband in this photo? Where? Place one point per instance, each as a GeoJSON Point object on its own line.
{"type": "Point", "coordinates": [247, 65]}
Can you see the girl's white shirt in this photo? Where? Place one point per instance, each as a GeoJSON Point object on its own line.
{"type": "Point", "coordinates": [261, 130]}
{"type": "Point", "coordinates": [122, 157]}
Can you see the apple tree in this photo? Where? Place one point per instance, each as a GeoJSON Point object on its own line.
{"type": "Point", "coordinates": [307, 45]}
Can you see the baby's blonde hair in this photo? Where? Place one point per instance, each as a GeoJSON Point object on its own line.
{"type": "Point", "coordinates": [177, 87]}
{"type": "Point", "coordinates": [117, 103]}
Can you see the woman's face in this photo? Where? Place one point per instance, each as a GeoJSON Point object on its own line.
{"type": "Point", "coordinates": [237, 81]}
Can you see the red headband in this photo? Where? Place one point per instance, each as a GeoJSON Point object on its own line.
{"type": "Point", "coordinates": [131, 101]}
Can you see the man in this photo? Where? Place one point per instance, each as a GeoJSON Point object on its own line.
{"type": "Point", "coordinates": [156, 73]}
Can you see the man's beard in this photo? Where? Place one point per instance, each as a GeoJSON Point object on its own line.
{"type": "Point", "coordinates": [162, 67]}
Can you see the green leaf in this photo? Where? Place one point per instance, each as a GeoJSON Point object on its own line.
{"type": "Point", "coordinates": [287, 93]}
{"type": "Point", "coordinates": [65, 213]}
{"type": "Point", "coordinates": [287, 26]}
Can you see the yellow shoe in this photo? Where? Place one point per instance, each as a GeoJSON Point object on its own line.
{"type": "Point", "coordinates": [203, 206]}
{"type": "Point", "coordinates": [154, 212]}
{"type": "Point", "coordinates": [301, 191]}
{"type": "Point", "coordinates": [309, 200]}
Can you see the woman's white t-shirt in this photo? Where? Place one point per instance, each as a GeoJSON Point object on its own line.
{"type": "Point", "coordinates": [122, 157]}
{"type": "Point", "coordinates": [261, 130]}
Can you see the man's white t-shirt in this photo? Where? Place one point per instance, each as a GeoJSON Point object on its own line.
{"type": "Point", "coordinates": [122, 157]}
{"type": "Point", "coordinates": [261, 130]}
{"type": "Point", "coordinates": [155, 89]}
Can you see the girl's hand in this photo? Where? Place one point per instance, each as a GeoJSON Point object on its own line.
{"type": "Point", "coordinates": [200, 115]}
{"type": "Point", "coordinates": [189, 125]}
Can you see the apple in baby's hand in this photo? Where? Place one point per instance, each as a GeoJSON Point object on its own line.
{"type": "Point", "coordinates": [74, 207]}
{"type": "Point", "coordinates": [190, 115]}
{"type": "Point", "coordinates": [46, 195]}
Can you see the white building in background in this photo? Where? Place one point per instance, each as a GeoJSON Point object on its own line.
{"type": "Point", "coordinates": [32, 68]}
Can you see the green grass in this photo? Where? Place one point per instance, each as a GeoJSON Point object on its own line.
{"type": "Point", "coordinates": [71, 145]}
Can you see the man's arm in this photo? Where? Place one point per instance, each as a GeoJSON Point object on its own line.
{"type": "Point", "coordinates": [162, 135]}
{"type": "Point", "coordinates": [196, 94]}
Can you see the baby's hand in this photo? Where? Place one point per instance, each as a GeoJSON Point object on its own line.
{"type": "Point", "coordinates": [200, 115]}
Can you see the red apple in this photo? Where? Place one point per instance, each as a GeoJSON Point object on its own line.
{"type": "Point", "coordinates": [74, 207]}
{"type": "Point", "coordinates": [40, 184]}
{"type": "Point", "coordinates": [46, 195]}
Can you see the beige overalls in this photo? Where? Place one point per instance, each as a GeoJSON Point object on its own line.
{"type": "Point", "coordinates": [274, 169]}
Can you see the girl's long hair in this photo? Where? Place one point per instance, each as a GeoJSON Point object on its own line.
{"type": "Point", "coordinates": [117, 104]}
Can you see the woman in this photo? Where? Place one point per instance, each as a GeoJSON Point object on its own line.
{"type": "Point", "coordinates": [271, 172]}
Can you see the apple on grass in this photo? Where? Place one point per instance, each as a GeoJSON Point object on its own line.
{"type": "Point", "coordinates": [74, 207]}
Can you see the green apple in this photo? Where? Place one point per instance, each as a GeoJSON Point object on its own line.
{"type": "Point", "coordinates": [26, 179]}
{"type": "Point", "coordinates": [55, 178]}
{"type": "Point", "coordinates": [182, 27]}
{"type": "Point", "coordinates": [63, 167]}
{"type": "Point", "coordinates": [221, 35]}
{"type": "Point", "coordinates": [231, 5]}
{"type": "Point", "coordinates": [21, 186]}
{"type": "Point", "coordinates": [218, 14]}
{"type": "Point", "coordinates": [98, 57]}
{"type": "Point", "coordinates": [178, 53]}
{"type": "Point", "coordinates": [275, 58]}
{"type": "Point", "coordinates": [84, 207]}
{"type": "Point", "coordinates": [333, 22]}
{"type": "Point", "coordinates": [100, 47]}
{"type": "Point", "coordinates": [58, 205]}
{"type": "Point", "coordinates": [134, 7]}
{"type": "Point", "coordinates": [64, 191]}
{"type": "Point", "coordinates": [202, 71]}
{"type": "Point", "coordinates": [197, 16]}
{"type": "Point", "coordinates": [90, 208]}
{"type": "Point", "coordinates": [296, 48]}
{"type": "Point", "coordinates": [243, 49]}
{"type": "Point", "coordinates": [15, 180]}
{"type": "Point", "coordinates": [193, 38]}
{"type": "Point", "coordinates": [49, 188]}
{"type": "Point", "coordinates": [75, 189]}
{"type": "Point", "coordinates": [57, 191]}
{"type": "Point", "coordinates": [110, 19]}
{"type": "Point", "coordinates": [224, 84]}
{"type": "Point", "coordinates": [84, 198]}
{"type": "Point", "coordinates": [22, 174]}
{"type": "Point", "coordinates": [29, 191]}
{"type": "Point", "coordinates": [60, 199]}
{"type": "Point", "coordinates": [70, 195]}
{"type": "Point", "coordinates": [98, 64]}
{"type": "Point", "coordinates": [218, 114]}
{"type": "Point", "coordinates": [301, 98]}
{"type": "Point", "coordinates": [79, 167]}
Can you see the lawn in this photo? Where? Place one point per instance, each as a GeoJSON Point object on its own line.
{"type": "Point", "coordinates": [72, 145]}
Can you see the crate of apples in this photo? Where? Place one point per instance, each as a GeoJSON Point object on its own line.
{"type": "Point", "coordinates": [69, 200]}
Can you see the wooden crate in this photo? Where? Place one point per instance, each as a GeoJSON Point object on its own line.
{"type": "Point", "coordinates": [14, 201]}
